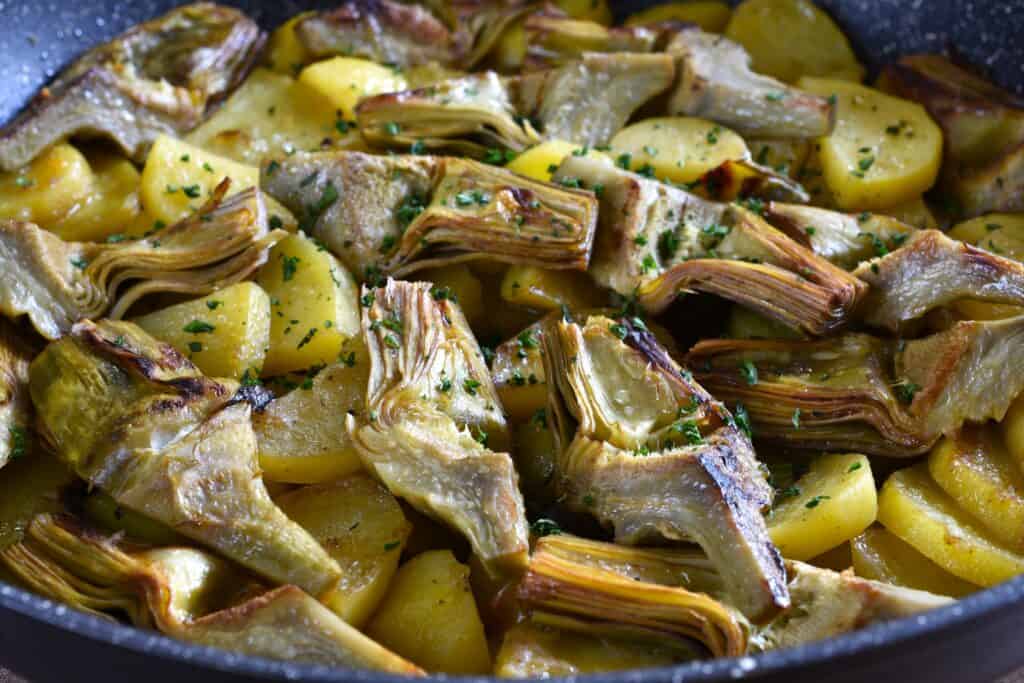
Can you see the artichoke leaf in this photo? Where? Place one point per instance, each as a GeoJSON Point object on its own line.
{"type": "Point", "coordinates": [57, 283]}
{"type": "Point", "coordinates": [394, 215]}
{"type": "Point", "coordinates": [931, 271]}
{"type": "Point", "coordinates": [15, 402]}
{"type": "Point", "coordinates": [654, 456]}
{"type": "Point", "coordinates": [134, 418]}
{"type": "Point", "coordinates": [659, 241]}
{"type": "Point", "coordinates": [162, 76]}
{"type": "Point", "coordinates": [188, 594]}
{"type": "Point", "coordinates": [432, 419]}
{"type": "Point", "coordinates": [716, 82]}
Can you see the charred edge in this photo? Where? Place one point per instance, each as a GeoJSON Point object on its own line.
{"type": "Point", "coordinates": [258, 397]}
{"type": "Point", "coordinates": [647, 344]}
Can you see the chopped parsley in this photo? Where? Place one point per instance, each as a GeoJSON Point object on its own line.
{"type": "Point", "coordinates": [19, 441]}
{"type": "Point", "coordinates": [392, 128]}
{"type": "Point", "coordinates": [545, 527]}
{"type": "Point", "coordinates": [816, 501]}
{"type": "Point", "coordinates": [749, 372]}
{"type": "Point", "coordinates": [199, 327]}
{"type": "Point", "coordinates": [289, 264]}
{"type": "Point", "coordinates": [471, 385]}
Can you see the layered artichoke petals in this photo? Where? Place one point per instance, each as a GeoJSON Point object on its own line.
{"type": "Point", "coordinates": [15, 403]}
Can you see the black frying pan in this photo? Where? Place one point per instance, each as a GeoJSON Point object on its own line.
{"type": "Point", "coordinates": [976, 639]}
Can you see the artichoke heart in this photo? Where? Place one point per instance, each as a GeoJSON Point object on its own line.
{"type": "Point", "coordinates": [584, 101]}
{"type": "Point", "coordinates": [658, 241]}
{"type": "Point", "coordinates": [861, 393]}
{"type": "Point", "coordinates": [715, 82]}
{"type": "Point", "coordinates": [931, 271]}
{"type": "Point", "coordinates": [132, 417]}
{"type": "Point", "coordinates": [188, 594]}
{"type": "Point", "coordinates": [644, 449]}
{"type": "Point", "coordinates": [58, 283]}
{"type": "Point", "coordinates": [15, 402]}
{"type": "Point", "coordinates": [394, 215]}
{"type": "Point", "coordinates": [434, 431]}
{"type": "Point", "coordinates": [158, 77]}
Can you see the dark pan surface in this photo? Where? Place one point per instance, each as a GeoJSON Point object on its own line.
{"type": "Point", "coordinates": [976, 639]}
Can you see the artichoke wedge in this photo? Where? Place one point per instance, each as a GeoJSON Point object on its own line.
{"type": "Point", "coordinates": [15, 402]}
{"type": "Point", "coordinates": [135, 419]}
{"type": "Point", "coordinates": [160, 77]}
{"type": "Point", "coordinates": [188, 594]}
{"type": "Point", "coordinates": [644, 449]}
{"type": "Point", "coordinates": [58, 283]}
{"type": "Point", "coordinates": [394, 215]}
{"type": "Point", "coordinates": [931, 271]}
{"type": "Point", "coordinates": [432, 419]}
{"type": "Point", "coordinates": [585, 101]}
{"type": "Point", "coordinates": [860, 393]}
{"type": "Point", "coordinates": [715, 82]}
{"type": "Point", "coordinates": [844, 239]}
{"type": "Point", "coordinates": [736, 178]}
{"type": "Point", "coordinates": [657, 242]}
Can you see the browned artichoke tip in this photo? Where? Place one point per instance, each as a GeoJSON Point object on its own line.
{"type": "Point", "coordinates": [552, 37]}
{"type": "Point", "coordinates": [843, 239]}
{"type": "Point", "coordinates": [432, 418]}
{"type": "Point", "coordinates": [931, 271]}
{"type": "Point", "coordinates": [716, 82]}
{"type": "Point", "coordinates": [188, 594]}
{"type": "Point", "coordinates": [381, 31]}
{"type": "Point", "coordinates": [134, 418]}
{"type": "Point", "coordinates": [658, 242]}
{"type": "Point", "coordinates": [479, 24]}
{"type": "Point", "coordinates": [162, 76]}
{"type": "Point", "coordinates": [397, 214]}
{"type": "Point", "coordinates": [16, 434]}
{"type": "Point", "coordinates": [735, 178]}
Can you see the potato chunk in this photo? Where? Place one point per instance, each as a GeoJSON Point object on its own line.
{"type": "Point", "coordinates": [363, 528]}
{"type": "Point", "coordinates": [913, 507]}
{"type": "Point", "coordinates": [301, 436]}
{"type": "Point", "coordinates": [179, 177]}
{"type": "Point", "coordinates": [46, 190]}
{"type": "Point", "coordinates": [225, 334]}
{"type": "Point", "coordinates": [430, 617]}
{"type": "Point", "coordinates": [880, 556]}
{"type": "Point", "coordinates": [549, 289]}
{"type": "Point", "coordinates": [343, 81]}
{"type": "Point", "coordinates": [458, 283]}
{"type": "Point", "coordinates": [539, 162]}
{"type": "Point", "coordinates": [830, 504]}
{"type": "Point", "coordinates": [285, 53]}
{"type": "Point", "coordinates": [711, 15]}
{"type": "Point", "coordinates": [883, 150]}
{"type": "Point", "coordinates": [112, 206]}
{"type": "Point", "coordinates": [788, 39]}
{"type": "Point", "coordinates": [679, 148]}
{"type": "Point", "coordinates": [314, 305]}
{"type": "Point", "coordinates": [974, 468]}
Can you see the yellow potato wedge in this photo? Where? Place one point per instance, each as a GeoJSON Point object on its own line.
{"type": "Point", "coordinates": [1001, 233]}
{"type": "Point", "coordinates": [539, 162]}
{"type": "Point", "coordinates": [677, 148]}
{"type": "Point", "coordinates": [788, 39]}
{"type": "Point", "coordinates": [110, 208]}
{"type": "Point", "coordinates": [535, 458]}
{"type": "Point", "coordinates": [883, 150]}
{"type": "Point", "coordinates": [881, 556]}
{"type": "Point", "coordinates": [363, 528]}
{"type": "Point", "coordinates": [913, 507]}
{"type": "Point", "coordinates": [225, 334]}
{"type": "Point", "coordinates": [458, 283]}
{"type": "Point", "coordinates": [314, 305]}
{"type": "Point", "coordinates": [829, 505]}
{"type": "Point", "coordinates": [285, 53]}
{"type": "Point", "coordinates": [549, 290]}
{"type": "Point", "coordinates": [711, 15]}
{"type": "Point", "coordinates": [56, 183]}
{"type": "Point", "coordinates": [343, 81]}
{"type": "Point", "coordinates": [518, 372]}
{"type": "Point", "coordinates": [915, 213]}
{"type": "Point", "coordinates": [430, 617]}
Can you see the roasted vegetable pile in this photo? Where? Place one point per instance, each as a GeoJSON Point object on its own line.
{"type": "Point", "coordinates": [486, 337]}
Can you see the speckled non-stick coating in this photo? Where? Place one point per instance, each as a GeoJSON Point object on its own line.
{"type": "Point", "coordinates": [974, 640]}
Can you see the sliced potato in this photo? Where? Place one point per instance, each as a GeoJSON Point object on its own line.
{"type": "Point", "coordinates": [539, 162]}
{"type": "Point", "coordinates": [883, 150]}
{"type": "Point", "coordinates": [549, 289]}
{"type": "Point", "coordinates": [111, 207]}
{"type": "Point", "coordinates": [788, 39]}
{"type": "Point", "coordinates": [830, 504]}
{"type": "Point", "coordinates": [430, 617]}
{"type": "Point", "coordinates": [881, 556]}
{"type": "Point", "coordinates": [913, 507]}
{"type": "Point", "coordinates": [711, 15]}
{"type": "Point", "coordinates": [178, 178]}
{"type": "Point", "coordinates": [1012, 427]}
{"type": "Point", "coordinates": [301, 436]}
{"type": "Point", "coordinates": [345, 80]}
{"type": "Point", "coordinates": [679, 148]}
{"type": "Point", "coordinates": [56, 183]}
{"type": "Point", "coordinates": [509, 51]}
{"type": "Point", "coordinates": [314, 305]}
{"type": "Point", "coordinates": [457, 282]}
{"type": "Point", "coordinates": [225, 334]}
{"type": "Point", "coordinates": [363, 528]}
{"type": "Point", "coordinates": [974, 468]}
{"type": "Point", "coordinates": [285, 53]}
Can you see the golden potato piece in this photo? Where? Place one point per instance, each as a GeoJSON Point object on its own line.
{"type": "Point", "coordinates": [346, 80]}
{"type": "Point", "coordinates": [225, 334]}
{"type": "Point", "coordinates": [430, 617]}
{"type": "Point", "coordinates": [883, 150]}
{"type": "Point", "coordinates": [541, 161]}
{"type": "Point", "coordinates": [111, 207]}
{"type": "Point", "coordinates": [915, 509]}
{"type": "Point", "coordinates": [57, 182]}
{"type": "Point", "coordinates": [788, 39]}
{"type": "Point", "coordinates": [711, 15]}
{"type": "Point", "coordinates": [783, 156]}
{"type": "Point", "coordinates": [363, 528]}
{"type": "Point", "coordinates": [679, 148]}
{"type": "Point", "coordinates": [881, 556]}
{"type": "Point", "coordinates": [457, 282]}
{"type": "Point", "coordinates": [1000, 233]}
{"type": "Point", "coordinates": [285, 53]}
{"type": "Point", "coordinates": [830, 504]}
{"type": "Point", "coordinates": [547, 290]}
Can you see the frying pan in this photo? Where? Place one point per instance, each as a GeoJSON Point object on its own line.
{"type": "Point", "coordinates": [975, 639]}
